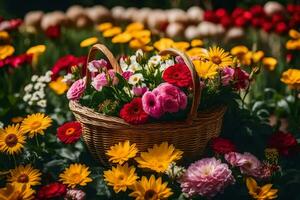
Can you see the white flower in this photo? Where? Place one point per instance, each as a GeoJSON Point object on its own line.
{"type": "Point", "coordinates": [34, 78]}
{"type": "Point", "coordinates": [1, 124]}
{"type": "Point", "coordinates": [48, 73]}
{"type": "Point", "coordinates": [133, 59]}
{"type": "Point", "coordinates": [166, 64]}
{"type": "Point", "coordinates": [41, 79]}
{"type": "Point", "coordinates": [26, 97]}
{"type": "Point", "coordinates": [68, 78]}
{"type": "Point", "coordinates": [134, 67]}
{"type": "Point", "coordinates": [42, 103]}
{"type": "Point", "coordinates": [40, 94]}
{"type": "Point", "coordinates": [135, 79]}
{"type": "Point", "coordinates": [30, 103]}
{"type": "Point", "coordinates": [39, 85]}
{"type": "Point", "coordinates": [123, 64]}
{"type": "Point", "coordinates": [139, 52]}
{"type": "Point", "coordinates": [174, 171]}
{"type": "Point", "coordinates": [154, 60]}
{"type": "Point", "coordinates": [28, 87]}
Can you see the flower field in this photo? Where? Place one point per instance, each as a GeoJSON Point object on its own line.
{"type": "Point", "coordinates": [148, 104]}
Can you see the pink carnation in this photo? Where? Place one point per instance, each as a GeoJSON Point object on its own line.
{"type": "Point", "coordinates": [227, 75]}
{"type": "Point", "coordinates": [206, 177]}
{"type": "Point", "coordinates": [76, 90]}
{"type": "Point", "coordinates": [101, 80]}
{"type": "Point", "coordinates": [151, 105]}
{"type": "Point", "coordinates": [247, 163]}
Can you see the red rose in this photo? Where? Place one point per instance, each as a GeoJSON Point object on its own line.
{"type": "Point", "coordinates": [281, 28]}
{"type": "Point", "coordinates": [257, 10]}
{"type": "Point", "coordinates": [133, 112]}
{"type": "Point", "coordinates": [52, 190]}
{"type": "Point", "coordinates": [226, 21]}
{"type": "Point", "coordinates": [178, 75]}
{"type": "Point", "coordinates": [285, 143]}
{"type": "Point", "coordinates": [221, 12]}
{"type": "Point", "coordinates": [237, 12]}
{"type": "Point", "coordinates": [69, 132]}
{"type": "Point", "coordinates": [240, 21]}
{"type": "Point", "coordinates": [210, 16]}
{"type": "Point", "coordinates": [267, 26]}
{"type": "Point", "coordinates": [53, 32]}
{"type": "Point", "coordinates": [222, 146]}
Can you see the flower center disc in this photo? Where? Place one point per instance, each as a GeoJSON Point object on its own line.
{"type": "Point", "coordinates": [76, 177]}
{"type": "Point", "coordinates": [217, 60]}
{"type": "Point", "coordinates": [36, 125]}
{"type": "Point", "coordinates": [11, 140]}
{"type": "Point", "coordinates": [23, 178]}
{"type": "Point", "coordinates": [150, 195]}
{"type": "Point", "coordinates": [70, 131]}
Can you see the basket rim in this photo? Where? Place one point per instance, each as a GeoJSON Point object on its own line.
{"type": "Point", "coordinates": [76, 107]}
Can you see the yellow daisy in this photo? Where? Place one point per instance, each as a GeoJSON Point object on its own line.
{"type": "Point", "coordinates": [17, 119]}
{"type": "Point", "coordinates": [135, 26]}
{"type": "Point", "coordinates": [147, 48]}
{"type": "Point", "coordinates": [12, 139]}
{"type": "Point", "coordinates": [261, 193]}
{"type": "Point", "coordinates": [141, 34]}
{"type": "Point", "coordinates": [197, 52]}
{"type": "Point", "coordinates": [24, 175]}
{"type": "Point", "coordinates": [112, 31]}
{"type": "Point", "coordinates": [139, 43]}
{"type": "Point", "coordinates": [36, 51]}
{"type": "Point", "coordinates": [196, 43]}
{"type": "Point", "coordinates": [76, 174]}
{"type": "Point", "coordinates": [150, 189]}
{"type": "Point", "coordinates": [5, 51]}
{"type": "Point", "coordinates": [205, 70]}
{"type": "Point", "coordinates": [159, 157]}
{"type": "Point", "coordinates": [122, 38]}
{"type": "Point", "coordinates": [163, 43]}
{"type": "Point", "coordinates": [36, 124]}
{"type": "Point", "coordinates": [258, 56]}
{"type": "Point", "coordinates": [58, 86]}
{"type": "Point", "coordinates": [12, 192]}
{"type": "Point", "coordinates": [218, 57]}
{"type": "Point", "coordinates": [121, 152]}
{"type": "Point", "coordinates": [269, 63]}
{"type": "Point", "coordinates": [120, 177]}
{"type": "Point", "coordinates": [104, 26]}
{"type": "Point", "coordinates": [88, 42]}
{"type": "Point", "coordinates": [239, 51]}
{"type": "Point", "coordinates": [182, 46]}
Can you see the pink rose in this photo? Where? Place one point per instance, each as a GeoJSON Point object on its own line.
{"type": "Point", "coordinates": [100, 81]}
{"type": "Point", "coordinates": [76, 90]}
{"type": "Point", "coordinates": [139, 91]}
{"type": "Point", "coordinates": [96, 65]}
{"type": "Point", "coordinates": [151, 105]}
{"type": "Point", "coordinates": [227, 75]}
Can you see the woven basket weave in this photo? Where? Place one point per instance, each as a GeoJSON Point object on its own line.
{"type": "Point", "coordinates": [100, 132]}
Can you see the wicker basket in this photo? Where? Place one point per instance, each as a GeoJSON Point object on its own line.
{"type": "Point", "coordinates": [100, 132]}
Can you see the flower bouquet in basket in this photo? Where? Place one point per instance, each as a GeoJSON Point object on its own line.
{"type": "Point", "coordinates": [161, 92]}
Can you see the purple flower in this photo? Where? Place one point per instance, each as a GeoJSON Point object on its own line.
{"type": "Point", "coordinates": [126, 75]}
{"type": "Point", "coordinates": [206, 177]}
{"type": "Point", "coordinates": [139, 91]}
{"type": "Point", "coordinates": [96, 65]}
{"type": "Point", "coordinates": [227, 75]}
{"type": "Point", "coordinates": [151, 105]}
{"type": "Point", "coordinates": [76, 89]}
{"type": "Point", "coordinates": [247, 163]}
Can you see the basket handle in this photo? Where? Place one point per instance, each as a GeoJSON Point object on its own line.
{"type": "Point", "coordinates": [195, 79]}
{"type": "Point", "coordinates": [92, 55]}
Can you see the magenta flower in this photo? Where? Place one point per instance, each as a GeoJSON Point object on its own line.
{"type": "Point", "coordinates": [151, 105]}
{"type": "Point", "coordinates": [227, 76]}
{"type": "Point", "coordinates": [126, 75]}
{"type": "Point", "coordinates": [206, 177]}
{"type": "Point", "coordinates": [139, 91]}
{"type": "Point", "coordinates": [247, 163]}
{"type": "Point", "coordinates": [76, 90]}
{"type": "Point", "coordinates": [241, 78]}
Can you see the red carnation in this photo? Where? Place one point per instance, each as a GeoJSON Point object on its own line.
{"type": "Point", "coordinates": [69, 132]}
{"type": "Point", "coordinates": [133, 112]}
{"type": "Point", "coordinates": [210, 16]}
{"type": "Point", "coordinates": [178, 75]}
{"type": "Point", "coordinates": [285, 143]}
{"type": "Point", "coordinates": [53, 32]}
{"type": "Point", "coordinates": [281, 28]}
{"type": "Point", "coordinates": [222, 146]}
{"type": "Point", "coordinates": [52, 190]}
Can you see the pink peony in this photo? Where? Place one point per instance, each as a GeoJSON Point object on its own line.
{"type": "Point", "coordinates": [206, 177]}
{"type": "Point", "coordinates": [139, 91]}
{"type": "Point", "coordinates": [247, 163]}
{"type": "Point", "coordinates": [227, 75]}
{"type": "Point", "coordinates": [76, 90]}
{"type": "Point", "coordinates": [151, 105]}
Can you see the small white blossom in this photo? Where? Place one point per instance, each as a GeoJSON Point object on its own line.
{"type": "Point", "coordinates": [41, 79]}
{"type": "Point", "coordinates": [1, 124]}
{"type": "Point", "coordinates": [154, 60]}
{"type": "Point", "coordinates": [34, 78]}
{"type": "Point", "coordinates": [26, 97]}
{"type": "Point", "coordinates": [39, 85]}
{"type": "Point", "coordinates": [174, 171]}
{"type": "Point", "coordinates": [133, 67]}
{"type": "Point", "coordinates": [42, 103]}
{"type": "Point", "coordinates": [28, 87]}
{"type": "Point", "coordinates": [123, 64]}
{"type": "Point", "coordinates": [40, 94]}
{"type": "Point", "coordinates": [135, 79]}
{"type": "Point", "coordinates": [30, 103]}
{"type": "Point", "coordinates": [133, 59]}
{"type": "Point", "coordinates": [68, 78]}
{"type": "Point", "coordinates": [139, 52]}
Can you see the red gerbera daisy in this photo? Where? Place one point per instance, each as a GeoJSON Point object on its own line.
{"type": "Point", "coordinates": [179, 75]}
{"type": "Point", "coordinates": [69, 132]}
{"type": "Point", "coordinates": [52, 190]}
{"type": "Point", "coordinates": [133, 112]}
{"type": "Point", "coordinates": [222, 146]}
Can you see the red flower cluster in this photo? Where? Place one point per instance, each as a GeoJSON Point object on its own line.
{"type": "Point", "coordinates": [69, 132]}
{"type": "Point", "coordinates": [16, 61]}
{"type": "Point", "coordinates": [52, 190]}
{"type": "Point", "coordinates": [222, 146]}
{"type": "Point", "coordinates": [256, 17]}
{"type": "Point", "coordinates": [178, 75]}
{"type": "Point", "coordinates": [285, 143]}
{"type": "Point", "coordinates": [66, 62]}
{"type": "Point", "coordinates": [133, 112]}
{"type": "Point", "coordinates": [53, 32]}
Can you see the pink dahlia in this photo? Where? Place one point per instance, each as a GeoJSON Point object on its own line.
{"type": "Point", "coordinates": [206, 177]}
{"type": "Point", "coordinates": [76, 90]}
{"type": "Point", "coordinates": [247, 163]}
